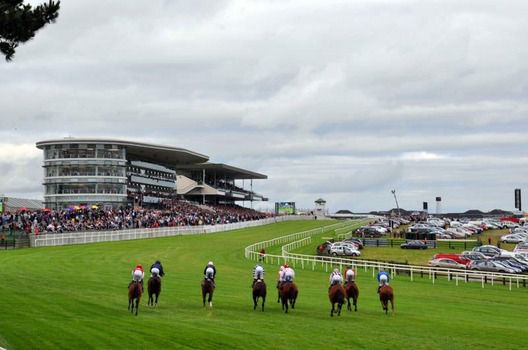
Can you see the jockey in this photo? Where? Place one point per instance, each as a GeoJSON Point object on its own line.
{"type": "Point", "coordinates": [289, 274]}
{"type": "Point", "coordinates": [210, 272]}
{"type": "Point", "coordinates": [383, 279]}
{"type": "Point", "coordinates": [137, 275]}
{"type": "Point", "coordinates": [258, 273]}
{"type": "Point", "coordinates": [157, 269]}
{"type": "Point", "coordinates": [350, 274]}
{"type": "Point", "coordinates": [335, 277]}
{"type": "Point", "coordinates": [280, 278]}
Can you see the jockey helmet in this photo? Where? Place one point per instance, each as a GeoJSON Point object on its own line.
{"type": "Point", "coordinates": [286, 265]}
{"type": "Point", "coordinates": [336, 270]}
{"type": "Point", "coordinates": [138, 266]}
{"type": "Point", "coordinates": [210, 263]}
{"type": "Point", "coordinates": [157, 262]}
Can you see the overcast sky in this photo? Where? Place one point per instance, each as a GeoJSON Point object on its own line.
{"type": "Point", "coordinates": [343, 100]}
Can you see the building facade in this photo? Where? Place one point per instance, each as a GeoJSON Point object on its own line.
{"type": "Point", "coordinates": [109, 173]}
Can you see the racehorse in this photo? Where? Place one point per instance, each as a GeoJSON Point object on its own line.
{"type": "Point", "coordinates": [154, 289]}
{"type": "Point", "coordinates": [336, 294]}
{"type": "Point", "coordinates": [208, 288]}
{"type": "Point", "coordinates": [259, 290]}
{"type": "Point", "coordinates": [135, 290]}
{"type": "Point", "coordinates": [288, 293]}
{"type": "Point", "coordinates": [386, 294]}
{"type": "Point", "coordinates": [352, 291]}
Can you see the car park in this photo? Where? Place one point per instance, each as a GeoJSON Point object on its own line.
{"type": "Point", "coordinates": [414, 245]}
{"type": "Point", "coordinates": [445, 262]}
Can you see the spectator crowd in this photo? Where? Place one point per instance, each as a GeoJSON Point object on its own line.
{"type": "Point", "coordinates": [178, 213]}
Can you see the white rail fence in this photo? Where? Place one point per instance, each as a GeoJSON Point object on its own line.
{"type": "Point", "coordinates": [57, 239]}
{"type": "Point", "coordinates": [328, 263]}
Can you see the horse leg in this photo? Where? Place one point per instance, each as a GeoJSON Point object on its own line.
{"type": "Point", "coordinates": [130, 304]}
{"type": "Point", "coordinates": [210, 300]}
{"type": "Point", "coordinates": [349, 308]}
{"type": "Point", "coordinates": [392, 303]}
{"type": "Point", "coordinates": [255, 299]}
{"type": "Point", "coordinates": [203, 298]}
{"type": "Point", "coordinates": [137, 305]}
{"type": "Point", "coordinates": [355, 303]}
{"type": "Point", "coordinates": [339, 306]}
{"type": "Point", "coordinates": [263, 301]}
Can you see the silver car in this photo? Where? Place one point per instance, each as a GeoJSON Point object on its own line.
{"type": "Point", "coordinates": [487, 265]}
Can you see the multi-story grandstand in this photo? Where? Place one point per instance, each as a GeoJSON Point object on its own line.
{"type": "Point", "coordinates": [114, 173]}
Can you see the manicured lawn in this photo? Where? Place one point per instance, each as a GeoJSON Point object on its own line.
{"type": "Point", "coordinates": [74, 297]}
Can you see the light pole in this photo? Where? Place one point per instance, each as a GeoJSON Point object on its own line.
{"type": "Point", "coordinates": [396, 199]}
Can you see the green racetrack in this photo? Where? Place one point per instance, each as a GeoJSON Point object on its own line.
{"type": "Point", "coordinates": [75, 297]}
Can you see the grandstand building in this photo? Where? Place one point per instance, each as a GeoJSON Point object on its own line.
{"type": "Point", "coordinates": [114, 173]}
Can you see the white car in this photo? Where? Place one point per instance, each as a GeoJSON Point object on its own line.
{"type": "Point", "coordinates": [513, 238]}
{"type": "Point", "coordinates": [344, 250]}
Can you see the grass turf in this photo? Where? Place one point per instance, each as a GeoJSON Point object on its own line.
{"type": "Point", "coordinates": [74, 297]}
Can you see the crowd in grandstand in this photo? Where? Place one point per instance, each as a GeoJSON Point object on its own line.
{"type": "Point", "coordinates": [179, 213]}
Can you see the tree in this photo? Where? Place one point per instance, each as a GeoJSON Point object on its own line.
{"type": "Point", "coordinates": [19, 22]}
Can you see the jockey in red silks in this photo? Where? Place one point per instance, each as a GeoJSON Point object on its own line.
{"type": "Point", "coordinates": [288, 274]}
{"type": "Point", "coordinates": [138, 274]}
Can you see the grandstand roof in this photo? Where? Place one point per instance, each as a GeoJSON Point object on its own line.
{"type": "Point", "coordinates": [18, 203]}
{"type": "Point", "coordinates": [225, 170]}
{"type": "Point", "coordinates": [142, 151]}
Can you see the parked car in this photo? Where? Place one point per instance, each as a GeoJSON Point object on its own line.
{"type": "Point", "coordinates": [445, 262]}
{"type": "Point", "coordinates": [344, 250]}
{"type": "Point", "coordinates": [513, 238]}
{"type": "Point", "coordinates": [456, 257]}
{"type": "Point", "coordinates": [489, 265]}
{"type": "Point", "coordinates": [471, 255]}
{"type": "Point", "coordinates": [369, 232]}
{"type": "Point", "coordinates": [356, 241]}
{"type": "Point", "coordinates": [488, 250]}
{"type": "Point", "coordinates": [414, 245]}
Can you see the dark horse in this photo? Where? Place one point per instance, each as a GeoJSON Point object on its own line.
{"type": "Point", "coordinates": [386, 294]}
{"type": "Point", "coordinates": [208, 288]}
{"type": "Point", "coordinates": [259, 290]}
{"type": "Point", "coordinates": [336, 294]}
{"type": "Point", "coordinates": [288, 293]}
{"type": "Point", "coordinates": [154, 289]}
{"type": "Point", "coordinates": [352, 291]}
{"type": "Point", "coordinates": [135, 290]}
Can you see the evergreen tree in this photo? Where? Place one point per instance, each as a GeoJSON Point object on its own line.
{"type": "Point", "coordinates": [19, 22]}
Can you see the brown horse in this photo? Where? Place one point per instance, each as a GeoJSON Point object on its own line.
{"type": "Point", "coordinates": [336, 294]}
{"type": "Point", "coordinates": [135, 290]}
{"type": "Point", "coordinates": [352, 291]}
{"type": "Point", "coordinates": [288, 293]}
{"type": "Point", "coordinates": [208, 287]}
{"type": "Point", "coordinates": [259, 290]}
{"type": "Point", "coordinates": [386, 294]}
{"type": "Point", "coordinates": [154, 289]}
